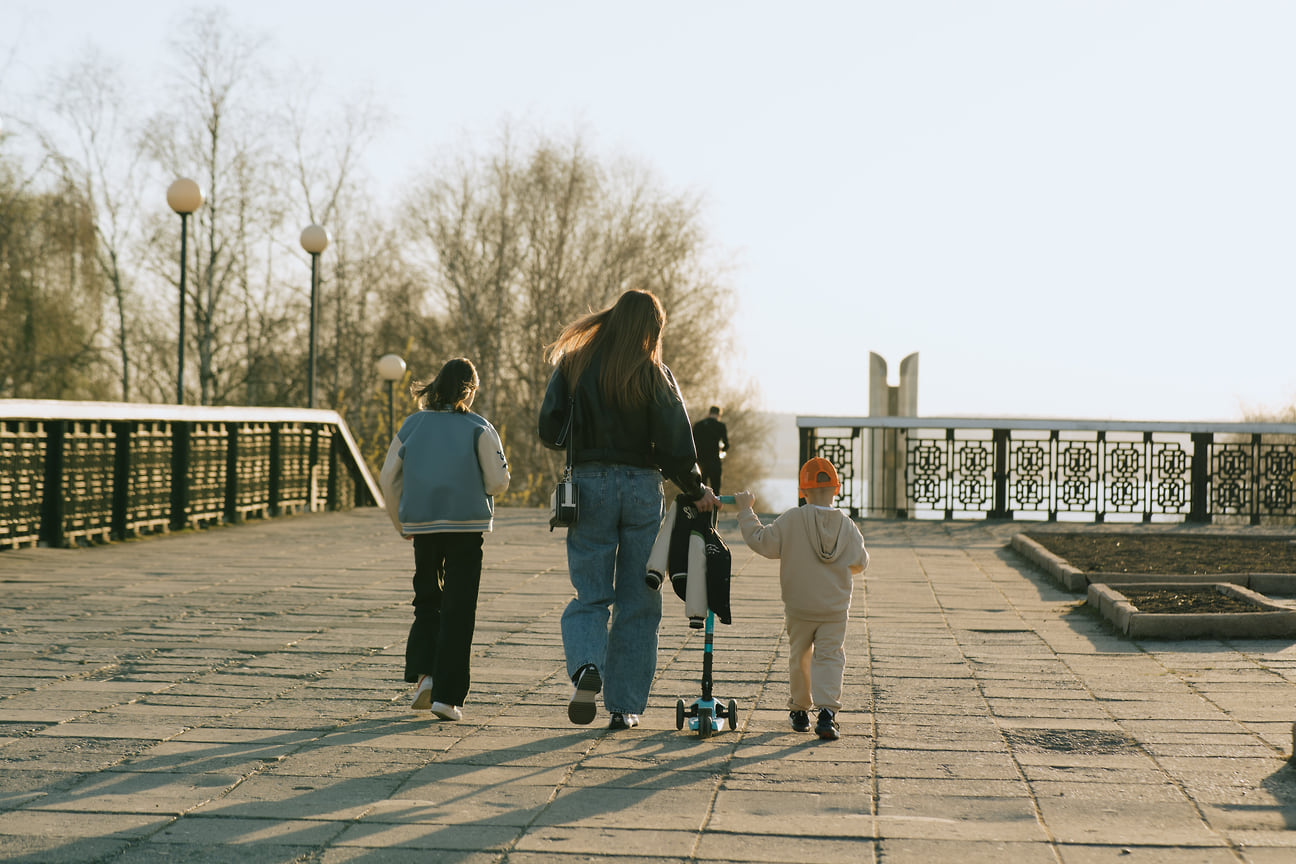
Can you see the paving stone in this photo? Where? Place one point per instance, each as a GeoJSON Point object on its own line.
{"type": "Point", "coordinates": [217, 830]}
{"type": "Point", "coordinates": [221, 697]}
{"type": "Point", "coordinates": [270, 796]}
{"type": "Point", "coordinates": [80, 825]}
{"type": "Point", "coordinates": [474, 837]}
{"type": "Point", "coordinates": [337, 855]}
{"type": "Point", "coordinates": [1125, 853]}
{"type": "Point", "coordinates": [130, 792]}
{"type": "Point", "coordinates": [53, 848]}
{"type": "Point", "coordinates": [206, 853]}
{"type": "Point", "coordinates": [790, 849]}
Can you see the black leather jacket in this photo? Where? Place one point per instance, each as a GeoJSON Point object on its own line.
{"type": "Point", "coordinates": [657, 435]}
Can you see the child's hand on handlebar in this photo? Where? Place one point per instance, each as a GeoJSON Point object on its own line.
{"type": "Point", "coordinates": [744, 499]}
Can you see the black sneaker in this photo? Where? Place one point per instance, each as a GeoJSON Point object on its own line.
{"type": "Point", "coordinates": [827, 728]}
{"type": "Point", "coordinates": [800, 721]}
{"type": "Point", "coordinates": [623, 721]}
{"type": "Point", "coordinates": [582, 707]}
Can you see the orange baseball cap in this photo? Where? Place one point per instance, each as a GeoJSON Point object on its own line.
{"type": "Point", "coordinates": [819, 473]}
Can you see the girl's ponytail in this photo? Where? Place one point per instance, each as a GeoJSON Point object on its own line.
{"type": "Point", "coordinates": [453, 388]}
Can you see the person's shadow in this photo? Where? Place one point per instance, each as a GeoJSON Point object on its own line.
{"type": "Point", "coordinates": [1281, 786]}
{"type": "Point", "coordinates": [661, 780]}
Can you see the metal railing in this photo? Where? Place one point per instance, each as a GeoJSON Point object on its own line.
{"type": "Point", "coordinates": [1076, 470]}
{"type": "Point", "coordinates": [89, 471]}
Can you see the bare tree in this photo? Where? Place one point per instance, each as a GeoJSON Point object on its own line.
{"type": "Point", "coordinates": [217, 135]}
{"type": "Point", "coordinates": [102, 162]}
{"type": "Point", "coordinates": [465, 224]}
{"type": "Point", "coordinates": [327, 148]}
{"type": "Point", "coordinates": [515, 245]}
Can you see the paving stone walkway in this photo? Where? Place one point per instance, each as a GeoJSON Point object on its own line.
{"type": "Point", "coordinates": [235, 695]}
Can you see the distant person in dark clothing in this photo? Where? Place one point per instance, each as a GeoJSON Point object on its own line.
{"type": "Point", "coordinates": [711, 439]}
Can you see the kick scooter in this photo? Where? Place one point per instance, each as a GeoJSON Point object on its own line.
{"type": "Point", "coordinates": [707, 715]}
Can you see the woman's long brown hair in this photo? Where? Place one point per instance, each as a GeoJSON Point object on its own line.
{"type": "Point", "coordinates": [628, 335]}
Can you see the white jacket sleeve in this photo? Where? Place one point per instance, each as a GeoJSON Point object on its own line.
{"type": "Point", "coordinates": [659, 557]}
{"type": "Point", "coordinates": [494, 466]}
{"type": "Point", "coordinates": [391, 479]}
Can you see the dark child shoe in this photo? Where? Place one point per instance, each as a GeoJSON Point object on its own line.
{"type": "Point", "coordinates": [827, 728]}
{"type": "Point", "coordinates": [621, 720]}
{"type": "Point", "coordinates": [582, 707]}
{"type": "Point", "coordinates": [800, 721]}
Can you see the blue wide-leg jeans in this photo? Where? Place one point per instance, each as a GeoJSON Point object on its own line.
{"type": "Point", "coordinates": [612, 621]}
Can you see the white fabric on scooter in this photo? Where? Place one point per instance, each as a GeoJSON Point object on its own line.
{"type": "Point", "coordinates": [658, 564]}
{"type": "Point", "coordinates": [695, 595]}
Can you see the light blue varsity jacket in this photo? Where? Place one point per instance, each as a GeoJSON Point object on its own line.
{"type": "Point", "coordinates": [442, 471]}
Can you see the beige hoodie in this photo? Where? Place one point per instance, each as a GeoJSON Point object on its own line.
{"type": "Point", "coordinates": [819, 549]}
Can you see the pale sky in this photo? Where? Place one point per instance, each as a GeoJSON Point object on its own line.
{"type": "Point", "coordinates": [1068, 209]}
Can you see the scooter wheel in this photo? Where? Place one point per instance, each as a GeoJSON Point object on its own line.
{"type": "Point", "coordinates": [679, 713]}
{"type": "Point", "coordinates": [706, 725]}
{"type": "Point", "coordinates": [733, 714]}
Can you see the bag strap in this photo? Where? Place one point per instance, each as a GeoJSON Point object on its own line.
{"type": "Point", "coordinates": [571, 433]}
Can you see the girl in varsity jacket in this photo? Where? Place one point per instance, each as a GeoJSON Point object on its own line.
{"type": "Point", "coordinates": [442, 470]}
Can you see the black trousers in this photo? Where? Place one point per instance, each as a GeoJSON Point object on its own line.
{"type": "Point", "coordinates": [447, 574]}
{"type": "Point", "coordinates": [710, 468]}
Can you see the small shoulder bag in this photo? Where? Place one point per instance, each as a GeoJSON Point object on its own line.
{"type": "Point", "coordinates": [562, 501]}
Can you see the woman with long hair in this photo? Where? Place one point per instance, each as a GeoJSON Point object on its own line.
{"type": "Point", "coordinates": [619, 403]}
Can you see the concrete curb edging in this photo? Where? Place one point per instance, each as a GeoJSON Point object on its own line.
{"type": "Point", "coordinates": [1274, 621]}
{"type": "Point", "coordinates": [1072, 578]}
{"type": "Point", "coordinates": [1065, 574]}
{"type": "Point", "coordinates": [1262, 583]}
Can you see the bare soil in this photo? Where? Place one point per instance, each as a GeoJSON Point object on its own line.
{"type": "Point", "coordinates": [1174, 554]}
{"type": "Point", "coordinates": [1179, 554]}
{"type": "Point", "coordinates": [1181, 600]}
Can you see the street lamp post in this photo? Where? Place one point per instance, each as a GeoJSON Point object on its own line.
{"type": "Point", "coordinates": [314, 239]}
{"type": "Point", "coordinates": [184, 196]}
{"type": "Point", "coordinates": [391, 368]}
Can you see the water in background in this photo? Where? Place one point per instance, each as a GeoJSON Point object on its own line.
{"type": "Point", "coordinates": [775, 496]}
{"type": "Point", "coordinates": [779, 491]}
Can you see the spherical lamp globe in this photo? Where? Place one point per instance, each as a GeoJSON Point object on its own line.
{"type": "Point", "coordinates": [314, 239]}
{"type": "Point", "coordinates": [185, 196]}
{"type": "Point", "coordinates": [391, 367]}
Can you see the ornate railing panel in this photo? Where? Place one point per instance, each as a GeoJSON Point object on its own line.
{"type": "Point", "coordinates": [77, 471]}
{"type": "Point", "coordinates": [147, 451]}
{"type": "Point", "coordinates": [1059, 469]}
{"type": "Point", "coordinates": [86, 488]}
{"type": "Point", "coordinates": [250, 457]}
{"type": "Point", "coordinates": [208, 462]}
{"type": "Point", "coordinates": [22, 481]}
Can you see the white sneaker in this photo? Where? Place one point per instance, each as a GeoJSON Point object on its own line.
{"type": "Point", "coordinates": [447, 712]}
{"type": "Point", "coordinates": [423, 695]}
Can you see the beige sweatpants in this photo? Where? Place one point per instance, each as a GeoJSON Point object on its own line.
{"type": "Point", "coordinates": [816, 664]}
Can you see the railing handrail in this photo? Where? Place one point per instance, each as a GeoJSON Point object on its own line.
{"type": "Point", "coordinates": [1042, 423]}
{"type": "Point", "coordinates": [60, 409]}
{"type": "Point", "coordinates": [1006, 467]}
